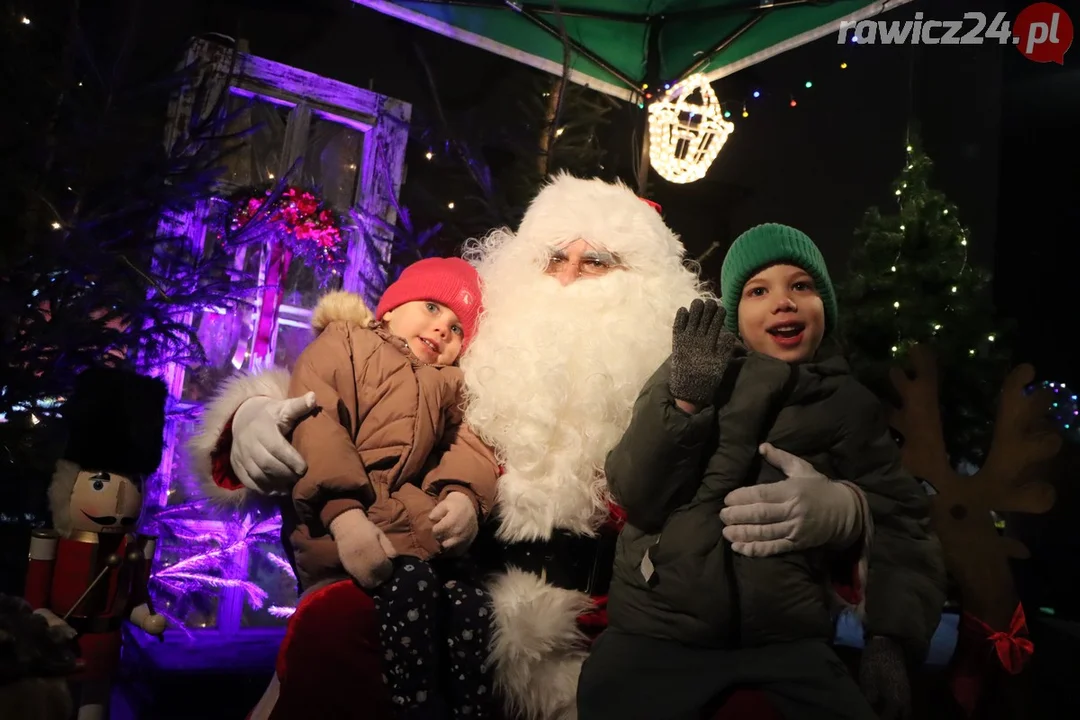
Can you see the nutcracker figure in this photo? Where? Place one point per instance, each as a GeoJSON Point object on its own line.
{"type": "Point", "coordinates": [90, 572]}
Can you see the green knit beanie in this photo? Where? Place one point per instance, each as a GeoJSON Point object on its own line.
{"type": "Point", "coordinates": [766, 245]}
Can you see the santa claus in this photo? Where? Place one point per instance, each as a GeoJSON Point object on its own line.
{"type": "Point", "coordinates": [579, 305]}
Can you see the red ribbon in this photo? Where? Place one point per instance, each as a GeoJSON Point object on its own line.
{"type": "Point", "coordinates": [274, 289]}
{"type": "Point", "coordinates": [1013, 647]}
{"type": "Point", "coordinates": [616, 517]}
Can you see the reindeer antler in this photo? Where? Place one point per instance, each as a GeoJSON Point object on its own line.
{"type": "Point", "coordinates": [1022, 438]}
{"type": "Point", "coordinates": [975, 553]}
{"type": "Point", "coordinates": [918, 419]}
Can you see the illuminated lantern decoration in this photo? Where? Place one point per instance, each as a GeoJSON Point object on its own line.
{"type": "Point", "coordinates": [685, 137]}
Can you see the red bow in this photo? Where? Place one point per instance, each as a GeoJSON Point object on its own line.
{"type": "Point", "coordinates": [1013, 647]}
{"type": "Point", "coordinates": [654, 206]}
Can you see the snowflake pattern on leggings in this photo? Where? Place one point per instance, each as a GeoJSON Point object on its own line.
{"type": "Point", "coordinates": [434, 636]}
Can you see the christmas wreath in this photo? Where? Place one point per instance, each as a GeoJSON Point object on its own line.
{"type": "Point", "coordinates": [308, 228]}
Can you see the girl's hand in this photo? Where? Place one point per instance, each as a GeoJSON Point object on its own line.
{"type": "Point", "coordinates": [455, 521]}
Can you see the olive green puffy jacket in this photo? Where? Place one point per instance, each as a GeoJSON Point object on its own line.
{"type": "Point", "coordinates": [671, 472]}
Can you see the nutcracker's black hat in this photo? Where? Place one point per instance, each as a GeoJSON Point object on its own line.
{"type": "Point", "coordinates": [116, 422]}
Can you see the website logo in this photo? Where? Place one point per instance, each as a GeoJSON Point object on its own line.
{"type": "Point", "coordinates": [1042, 32]}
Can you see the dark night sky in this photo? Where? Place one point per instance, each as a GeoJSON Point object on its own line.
{"type": "Point", "coordinates": [817, 166]}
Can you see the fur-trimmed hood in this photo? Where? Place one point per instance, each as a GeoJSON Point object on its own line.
{"type": "Point", "coordinates": [341, 306]}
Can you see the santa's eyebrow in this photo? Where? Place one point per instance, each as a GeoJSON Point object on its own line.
{"type": "Point", "coordinates": [603, 257]}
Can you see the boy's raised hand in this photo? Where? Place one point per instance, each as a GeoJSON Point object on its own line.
{"type": "Point", "coordinates": [456, 523]}
{"type": "Point", "coordinates": [700, 351]}
{"type": "Point", "coordinates": [363, 548]}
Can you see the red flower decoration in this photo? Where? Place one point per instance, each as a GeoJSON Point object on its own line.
{"type": "Point", "coordinates": [312, 231]}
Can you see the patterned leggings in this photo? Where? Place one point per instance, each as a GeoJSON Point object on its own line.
{"type": "Point", "coordinates": [434, 635]}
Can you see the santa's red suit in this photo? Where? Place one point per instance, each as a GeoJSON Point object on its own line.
{"type": "Point", "coordinates": [551, 378]}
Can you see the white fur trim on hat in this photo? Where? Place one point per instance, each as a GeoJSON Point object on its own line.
{"type": "Point", "coordinates": [607, 215]}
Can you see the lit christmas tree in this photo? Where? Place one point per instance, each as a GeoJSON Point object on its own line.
{"type": "Point", "coordinates": [911, 281]}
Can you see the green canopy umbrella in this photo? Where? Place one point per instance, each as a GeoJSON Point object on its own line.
{"type": "Point", "coordinates": [621, 46]}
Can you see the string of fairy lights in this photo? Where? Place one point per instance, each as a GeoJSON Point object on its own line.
{"type": "Point", "coordinates": [670, 161]}
{"type": "Point", "coordinates": [742, 106]}
{"type": "Point", "coordinates": [1063, 407]}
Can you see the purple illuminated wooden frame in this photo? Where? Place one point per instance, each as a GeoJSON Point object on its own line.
{"type": "Point", "coordinates": [384, 123]}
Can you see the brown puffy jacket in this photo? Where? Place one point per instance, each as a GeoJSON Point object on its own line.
{"type": "Point", "coordinates": [387, 437]}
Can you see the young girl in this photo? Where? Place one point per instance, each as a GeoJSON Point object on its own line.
{"type": "Point", "coordinates": [397, 481]}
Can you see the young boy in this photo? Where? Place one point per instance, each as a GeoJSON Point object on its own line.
{"type": "Point", "coordinates": [396, 479]}
{"type": "Point", "coordinates": [689, 618]}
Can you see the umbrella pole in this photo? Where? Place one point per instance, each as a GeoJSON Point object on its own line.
{"type": "Point", "coordinates": [644, 163]}
{"type": "Point", "coordinates": [652, 80]}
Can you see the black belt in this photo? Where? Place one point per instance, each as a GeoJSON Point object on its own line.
{"type": "Point", "coordinates": [569, 561]}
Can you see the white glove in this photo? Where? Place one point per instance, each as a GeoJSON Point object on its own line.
{"type": "Point", "coordinates": [363, 548]}
{"type": "Point", "coordinates": [261, 457]}
{"type": "Point", "coordinates": [807, 510]}
{"type": "Point", "coordinates": [455, 521]}
{"type": "Point", "coordinates": [147, 621]}
{"type": "Point", "coordinates": [55, 621]}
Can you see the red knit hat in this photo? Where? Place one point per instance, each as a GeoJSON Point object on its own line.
{"type": "Point", "coordinates": [449, 281]}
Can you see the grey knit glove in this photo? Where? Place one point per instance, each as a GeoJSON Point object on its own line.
{"type": "Point", "coordinates": [884, 678]}
{"type": "Point", "coordinates": [700, 351]}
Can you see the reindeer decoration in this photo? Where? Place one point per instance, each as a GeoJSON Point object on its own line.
{"type": "Point", "coordinates": [976, 556]}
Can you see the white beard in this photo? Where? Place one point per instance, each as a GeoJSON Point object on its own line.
{"type": "Point", "coordinates": [551, 381]}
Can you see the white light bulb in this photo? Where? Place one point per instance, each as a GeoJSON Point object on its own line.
{"type": "Point", "coordinates": [990, 338]}
{"type": "Point", "coordinates": [450, 205]}
{"type": "Point", "coordinates": [903, 227]}
{"type": "Point", "coordinates": [896, 305]}
{"type": "Point", "coordinates": [893, 268]}
{"type": "Point", "coordinates": [56, 226]}
{"type": "Point", "coordinates": [937, 327]}
{"type": "Point", "coordinates": [894, 348]}
{"type": "Point", "coordinates": [954, 288]}
{"type": "Point", "coordinates": [429, 155]}
{"type": "Point", "coordinates": [24, 20]}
